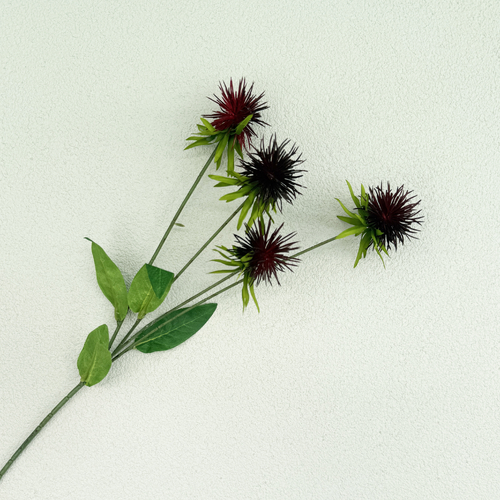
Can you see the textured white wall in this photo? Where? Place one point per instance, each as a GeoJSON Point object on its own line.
{"type": "Point", "coordinates": [351, 383]}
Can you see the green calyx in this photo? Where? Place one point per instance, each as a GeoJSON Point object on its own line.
{"type": "Point", "coordinates": [360, 227]}
{"type": "Point", "coordinates": [207, 134]}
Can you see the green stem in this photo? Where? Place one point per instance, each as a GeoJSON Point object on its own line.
{"type": "Point", "coordinates": [314, 247]}
{"type": "Point", "coordinates": [173, 309]}
{"type": "Point", "coordinates": [118, 326]}
{"type": "Point", "coordinates": [124, 340]}
{"type": "Point", "coordinates": [130, 347]}
{"type": "Point", "coordinates": [43, 423]}
{"type": "Point", "coordinates": [208, 242]}
{"type": "Point", "coordinates": [181, 208]}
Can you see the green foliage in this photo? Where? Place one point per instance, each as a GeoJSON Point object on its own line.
{"type": "Point", "coordinates": [174, 328]}
{"type": "Point", "coordinates": [94, 360]}
{"type": "Point", "coordinates": [226, 139]}
{"type": "Point", "coordinates": [358, 219]}
{"type": "Point", "coordinates": [149, 289]}
{"type": "Point", "coordinates": [110, 281]}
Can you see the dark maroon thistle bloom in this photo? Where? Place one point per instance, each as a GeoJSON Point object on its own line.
{"type": "Point", "coordinates": [273, 171]}
{"type": "Point", "coordinates": [265, 254]}
{"type": "Point", "coordinates": [258, 256]}
{"type": "Point", "coordinates": [393, 213]}
{"type": "Point", "coordinates": [235, 106]}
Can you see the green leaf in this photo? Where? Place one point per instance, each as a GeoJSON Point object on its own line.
{"type": "Point", "coordinates": [350, 220]}
{"type": "Point", "coordinates": [237, 146]}
{"type": "Point", "coordinates": [224, 180]}
{"type": "Point", "coordinates": [110, 281]}
{"type": "Point", "coordinates": [363, 245]}
{"type": "Point", "coordinates": [354, 198]}
{"type": "Point", "coordinates": [142, 296]}
{"type": "Point", "coordinates": [94, 360]}
{"type": "Point", "coordinates": [174, 328]}
{"type": "Point", "coordinates": [243, 124]}
{"type": "Point", "coordinates": [220, 148]}
{"type": "Point", "coordinates": [345, 209]}
{"type": "Point", "coordinates": [349, 232]}
{"type": "Point", "coordinates": [230, 157]}
{"type": "Point", "coordinates": [245, 208]}
{"type": "Point", "coordinates": [208, 125]}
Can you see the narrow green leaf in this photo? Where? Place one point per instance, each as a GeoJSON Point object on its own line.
{"type": "Point", "coordinates": [179, 224]}
{"type": "Point", "coordinates": [243, 124]}
{"type": "Point", "coordinates": [350, 220]}
{"type": "Point", "coordinates": [354, 198]}
{"type": "Point", "coordinates": [245, 208]}
{"type": "Point", "coordinates": [224, 180]}
{"type": "Point", "coordinates": [252, 292]}
{"type": "Point", "coordinates": [363, 245]}
{"type": "Point", "coordinates": [208, 125]}
{"type": "Point", "coordinates": [201, 142]}
{"type": "Point", "coordinates": [349, 232]}
{"type": "Point", "coordinates": [230, 158]}
{"type": "Point", "coordinates": [237, 146]}
{"type": "Point", "coordinates": [345, 209]}
{"type": "Point", "coordinates": [142, 298]}
{"type": "Point", "coordinates": [175, 328]}
{"type": "Point", "coordinates": [94, 360]}
{"type": "Point", "coordinates": [220, 148]}
{"type": "Point", "coordinates": [110, 281]}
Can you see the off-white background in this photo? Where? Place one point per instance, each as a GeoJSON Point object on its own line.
{"type": "Point", "coordinates": [351, 383]}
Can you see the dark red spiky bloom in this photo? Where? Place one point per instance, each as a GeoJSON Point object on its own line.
{"type": "Point", "coordinates": [235, 106]}
{"type": "Point", "coordinates": [267, 253]}
{"type": "Point", "coordinates": [393, 213]}
{"type": "Point", "coordinates": [274, 172]}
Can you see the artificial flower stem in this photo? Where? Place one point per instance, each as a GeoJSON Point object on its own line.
{"type": "Point", "coordinates": [208, 242]}
{"type": "Point", "coordinates": [118, 326]}
{"type": "Point", "coordinates": [43, 423]}
{"type": "Point", "coordinates": [181, 208]}
{"type": "Point", "coordinates": [314, 247]}
{"type": "Point", "coordinates": [124, 340]}
{"type": "Point", "coordinates": [125, 346]}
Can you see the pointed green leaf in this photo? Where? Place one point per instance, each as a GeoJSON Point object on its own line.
{"type": "Point", "coordinates": [142, 298]}
{"type": "Point", "coordinates": [94, 360]}
{"type": "Point", "coordinates": [237, 146]}
{"type": "Point", "coordinates": [350, 220]}
{"type": "Point", "coordinates": [252, 292]}
{"type": "Point", "coordinates": [174, 328]}
{"type": "Point", "coordinates": [208, 125]}
{"type": "Point", "coordinates": [220, 148]}
{"type": "Point", "coordinates": [243, 124]}
{"type": "Point", "coordinates": [345, 209]}
{"type": "Point", "coordinates": [349, 232]}
{"type": "Point", "coordinates": [354, 198]}
{"type": "Point", "coordinates": [245, 208]}
{"type": "Point", "coordinates": [110, 281]}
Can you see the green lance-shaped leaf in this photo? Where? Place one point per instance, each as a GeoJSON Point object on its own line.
{"type": "Point", "coordinates": [94, 360]}
{"type": "Point", "coordinates": [175, 331]}
{"type": "Point", "coordinates": [110, 281]}
{"type": "Point", "coordinates": [149, 289]}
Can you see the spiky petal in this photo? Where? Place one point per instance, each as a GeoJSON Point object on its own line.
{"type": "Point", "coordinates": [235, 106]}
{"type": "Point", "coordinates": [393, 213]}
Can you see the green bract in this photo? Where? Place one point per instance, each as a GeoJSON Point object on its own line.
{"type": "Point", "coordinates": [358, 219]}
{"type": "Point", "coordinates": [207, 134]}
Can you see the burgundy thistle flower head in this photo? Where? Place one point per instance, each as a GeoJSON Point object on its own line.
{"type": "Point", "coordinates": [267, 179]}
{"type": "Point", "coordinates": [235, 107]}
{"type": "Point", "coordinates": [382, 217]}
{"type": "Point", "coordinates": [259, 256]}
{"type": "Point", "coordinates": [232, 126]}
{"type": "Point", "coordinates": [393, 213]}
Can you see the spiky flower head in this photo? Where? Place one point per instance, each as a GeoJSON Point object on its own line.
{"type": "Point", "coordinates": [267, 179]}
{"type": "Point", "coordinates": [382, 217]}
{"type": "Point", "coordinates": [258, 256]}
{"type": "Point", "coordinates": [233, 124]}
